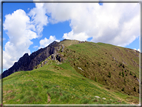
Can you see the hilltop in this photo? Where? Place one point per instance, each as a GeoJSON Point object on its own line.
{"type": "Point", "coordinates": [27, 62]}
{"type": "Point", "coordinates": [74, 71]}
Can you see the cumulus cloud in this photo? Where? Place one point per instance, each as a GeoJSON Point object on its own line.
{"type": "Point", "coordinates": [80, 36]}
{"type": "Point", "coordinates": [114, 23]}
{"type": "Point", "coordinates": [45, 42]}
{"type": "Point", "coordinates": [138, 50]}
{"type": "Point", "coordinates": [20, 32]}
{"type": "Point", "coordinates": [39, 17]}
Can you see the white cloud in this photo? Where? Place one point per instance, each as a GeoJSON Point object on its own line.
{"type": "Point", "coordinates": [136, 49]}
{"type": "Point", "coordinates": [81, 36]}
{"type": "Point", "coordinates": [39, 17]}
{"type": "Point", "coordinates": [118, 24]}
{"type": "Point", "coordinates": [20, 32]}
{"type": "Point", "coordinates": [45, 42]}
{"type": "Point", "coordinates": [115, 23]}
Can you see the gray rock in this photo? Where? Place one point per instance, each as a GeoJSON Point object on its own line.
{"type": "Point", "coordinates": [63, 47]}
{"type": "Point", "coordinates": [26, 62]}
{"type": "Point", "coordinates": [53, 56]}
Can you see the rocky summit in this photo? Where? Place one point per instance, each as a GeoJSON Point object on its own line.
{"type": "Point", "coordinates": [28, 62]}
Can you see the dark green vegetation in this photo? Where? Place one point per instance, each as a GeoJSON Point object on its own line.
{"type": "Point", "coordinates": [90, 73]}
{"type": "Point", "coordinates": [115, 67]}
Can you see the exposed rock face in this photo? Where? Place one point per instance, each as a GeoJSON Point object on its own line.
{"type": "Point", "coordinates": [62, 48]}
{"type": "Point", "coordinates": [27, 62]}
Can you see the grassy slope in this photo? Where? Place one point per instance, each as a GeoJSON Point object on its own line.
{"type": "Point", "coordinates": [98, 63]}
{"type": "Point", "coordinates": [54, 84]}
{"type": "Point", "coordinates": [61, 84]}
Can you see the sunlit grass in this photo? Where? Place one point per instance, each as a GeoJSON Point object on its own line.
{"type": "Point", "coordinates": [85, 77]}
{"type": "Point", "coordinates": [33, 87]}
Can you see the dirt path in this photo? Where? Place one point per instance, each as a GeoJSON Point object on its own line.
{"type": "Point", "coordinates": [49, 99]}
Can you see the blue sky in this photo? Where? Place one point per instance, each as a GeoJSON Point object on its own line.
{"type": "Point", "coordinates": [29, 26]}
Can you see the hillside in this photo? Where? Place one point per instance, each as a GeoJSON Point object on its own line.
{"type": "Point", "coordinates": [115, 67]}
{"type": "Point", "coordinates": [78, 73]}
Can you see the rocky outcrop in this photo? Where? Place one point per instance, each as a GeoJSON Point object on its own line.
{"type": "Point", "coordinates": [56, 55]}
{"type": "Point", "coordinates": [28, 62]}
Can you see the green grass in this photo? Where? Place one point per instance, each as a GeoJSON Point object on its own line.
{"type": "Point", "coordinates": [64, 86]}
{"type": "Point", "coordinates": [106, 62]}
{"type": "Point", "coordinates": [88, 70]}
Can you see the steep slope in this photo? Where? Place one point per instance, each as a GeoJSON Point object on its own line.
{"type": "Point", "coordinates": [57, 84]}
{"type": "Point", "coordinates": [115, 67]}
{"type": "Point", "coordinates": [113, 70]}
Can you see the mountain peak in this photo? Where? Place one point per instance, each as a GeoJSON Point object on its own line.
{"type": "Point", "coordinates": [26, 55]}
{"type": "Point", "coordinates": [53, 43]}
{"type": "Point", "coordinates": [28, 62]}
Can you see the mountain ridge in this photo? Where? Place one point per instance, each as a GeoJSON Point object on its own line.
{"type": "Point", "coordinates": [28, 62]}
{"type": "Point", "coordinates": [72, 68]}
{"type": "Point", "coordinates": [115, 68]}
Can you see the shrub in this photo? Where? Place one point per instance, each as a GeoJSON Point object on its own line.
{"type": "Point", "coordinates": [122, 74]}
{"type": "Point", "coordinates": [130, 73]}
{"type": "Point", "coordinates": [35, 67]}
{"type": "Point", "coordinates": [105, 63]}
{"type": "Point", "coordinates": [109, 75]}
{"type": "Point", "coordinates": [123, 66]}
{"type": "Point", "coordinates": [95, 79]}
{"type": "Point", "coordinates": [122, 89]}
{"type": "Point", "coordinates": [120, 64]}
{"type": "Point", "coordinates": [46, 86]}
{"type": "Point", "coordinates": [119, 73]}
{"type": "Point", "coordinates": [99, 64]}
{"type": "Point", "coordinates": [135, 89]}
{"type": "Point", "coordinates": [124, 81]}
